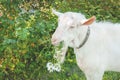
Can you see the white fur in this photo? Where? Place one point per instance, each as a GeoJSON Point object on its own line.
{"type": "Point", "coordinates": [102, 50]}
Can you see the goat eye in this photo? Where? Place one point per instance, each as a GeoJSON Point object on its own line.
{"type": "Point", "coordinates": [71, 27]}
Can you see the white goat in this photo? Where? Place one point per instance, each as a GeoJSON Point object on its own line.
{"type": "Point", "coordinates": [96, 44]}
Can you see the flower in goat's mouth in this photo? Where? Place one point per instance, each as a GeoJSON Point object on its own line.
{"type": "Point", "coordinates": [58, 56]}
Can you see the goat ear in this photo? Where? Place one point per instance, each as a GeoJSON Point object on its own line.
{"type": "Point", "coordinates": [56, 13]}
{"type": "Point", "coordinates": [89, 21]}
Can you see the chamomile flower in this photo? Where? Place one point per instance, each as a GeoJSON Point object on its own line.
{"type": "Point", "coordinates": [57, 67]}
{"type": "Point", "coordinates": [50, 67]}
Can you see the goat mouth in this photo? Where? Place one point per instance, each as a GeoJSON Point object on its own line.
{"type": "Point", "coordinates": [58, 43]}
{"type": "Point", "coordinates": [55, 43]}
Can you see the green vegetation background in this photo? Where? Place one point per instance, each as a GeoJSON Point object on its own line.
{"type": "Point", "coordinates": [26, 27]}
